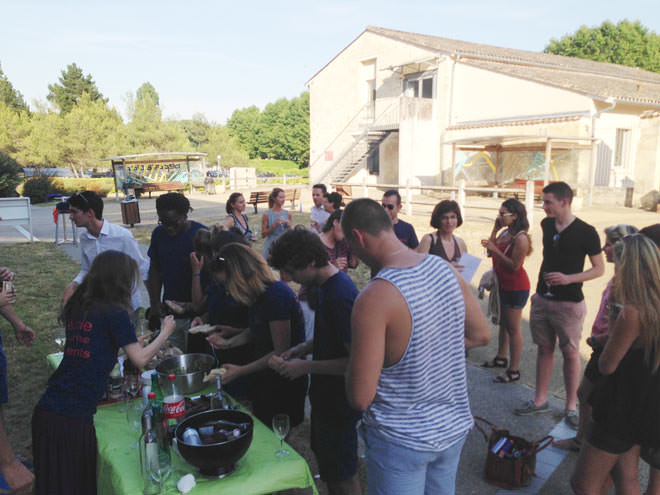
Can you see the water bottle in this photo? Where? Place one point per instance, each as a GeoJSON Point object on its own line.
{"type": "Point", "coordinates": [147, 413]}
{"type": "Point", "coordinates": [149, 460]}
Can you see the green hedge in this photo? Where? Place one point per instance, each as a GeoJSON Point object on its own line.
{"type": "Point", "coordinates": [37, 188]}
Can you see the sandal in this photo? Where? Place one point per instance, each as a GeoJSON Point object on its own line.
{"type": "Point", "coordinates": [508, 377]}
{"type": "Point", "coordinates": [571, 444]}
{"type": "Point", "coordinates": [497, 362]}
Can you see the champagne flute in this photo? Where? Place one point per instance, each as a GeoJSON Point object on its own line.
{"type": "Point", "coordinates": [60, 336]}
{"type": "Point", "coordinates": [281, 427]}
{"type": "Point", "coordinates": [548, 286]}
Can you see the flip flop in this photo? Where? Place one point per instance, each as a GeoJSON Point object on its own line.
{"type": "Point", "coordinates": [508, 377]}
{"type": "Point", "coordinates": [572, 444]}
{"type": "Point", "coordinates": [497, 362]}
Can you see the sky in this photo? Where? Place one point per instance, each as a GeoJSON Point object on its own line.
{"type": "Point", "coordinates": [213, 57]}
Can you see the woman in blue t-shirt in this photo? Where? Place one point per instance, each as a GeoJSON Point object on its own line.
{"type": "Point", "coordinates": [97, 324]}
{"type": "Point", "coordinates": [275, 324]}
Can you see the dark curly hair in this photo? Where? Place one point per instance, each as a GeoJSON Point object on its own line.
{"type": "Point", "coordinates": [445, 206]}
{"type": "Point", "coordinates": [296, 249]}
{"type": "Point", "coordinates": [336, 199]}
{"type": "Point", "coordinates": [87, 200]}
{"type": "Point", "coordinates": [173, 201]}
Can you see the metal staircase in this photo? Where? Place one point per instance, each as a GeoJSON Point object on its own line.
{"type": "Point", "coordinates": [362, 135]}
{"type": "Point", "coordinates": [355, 156]}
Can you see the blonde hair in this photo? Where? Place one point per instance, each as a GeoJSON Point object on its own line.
{"type": "Point", "coordinates": [638, 284]}
{"type": "Point", "coordinates": [248, 274]}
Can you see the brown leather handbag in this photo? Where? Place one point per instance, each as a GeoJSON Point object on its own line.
{"type": "Point", "coordinates": [511, 460]}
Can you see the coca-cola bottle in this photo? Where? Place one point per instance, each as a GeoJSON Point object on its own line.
{"type": "Point", "coordinates": [174, 406]}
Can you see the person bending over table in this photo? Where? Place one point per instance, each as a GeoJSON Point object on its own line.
{"type": "Point", "coordinates": [220, 309]}
{"type": "Point", "coordinates": [275, 324]}
{"type": "Point", "coordinates": [96, 318]}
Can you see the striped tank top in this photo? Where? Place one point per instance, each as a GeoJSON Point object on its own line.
{"type": "Point", "coordinates": [422, 401]}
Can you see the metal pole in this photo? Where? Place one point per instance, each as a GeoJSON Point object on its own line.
{"type": "Point", "coordinates": [408, 198]}
{"type": "Point", "coordinates": [529, 200]}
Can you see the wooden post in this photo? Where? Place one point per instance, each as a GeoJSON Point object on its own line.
{"type": "Point", "coordinates": [546, 165]}
{"type": "Point", "coordinates": [190, 187]}
{"type": "Point", "coordinates": [529, 201]}
{"type": "Point", "coordinates": [408, 198]}
{"type": "Point", "coordinates": [461, 196]}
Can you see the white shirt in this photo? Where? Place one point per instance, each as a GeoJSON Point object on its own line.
{"type": "Point", "coordinates": [318, 215]}
{"type": "Point", "coordinates": [112, 237]}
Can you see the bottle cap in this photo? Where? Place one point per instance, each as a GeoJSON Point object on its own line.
{"type": "Point", "coordinates": [151, 395]}
{"type": "Point", "coordinates": [172, 377]}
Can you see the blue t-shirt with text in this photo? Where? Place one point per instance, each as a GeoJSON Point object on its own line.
{"type": "Point", "coordinates": [90, 353]}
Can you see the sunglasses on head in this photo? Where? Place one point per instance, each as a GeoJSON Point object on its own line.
{"type": "Point", "coordinates": [82, 198]}
{"type": "Point", "coordinates": [389, 207]}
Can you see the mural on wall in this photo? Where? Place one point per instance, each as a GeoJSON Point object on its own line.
{"type": "Point", "coordinates": [481, 168]}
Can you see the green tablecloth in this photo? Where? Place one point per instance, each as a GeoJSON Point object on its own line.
{"type": "Point", "coordinates": [259, 471]}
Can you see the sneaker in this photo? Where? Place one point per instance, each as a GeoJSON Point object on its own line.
{"type": "Point", "coordinates": [531, 408]}
{"type": "Point", "coordinates": [572, 419]}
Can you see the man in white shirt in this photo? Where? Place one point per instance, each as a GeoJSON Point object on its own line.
{"type": "Point", "coordinates": [87, 211]}
{"type": "Point", "coordinates": [318, 215]}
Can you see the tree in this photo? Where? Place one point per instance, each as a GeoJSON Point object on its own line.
{"type": "Point", "coordinates": [627, 43]}
{"type": "Point", "coordinates": [9, 179]}
{"type": "Point", "coordinates": [147, 90]}
{"type": "Point", "coordinates": [91, 131]}
{"type": "Point", "coordinates": [196, 129]}
{"type": "Point", "coordinates": [73, 83]}
{"type": "Point", "coordinates": [244, 126]}
{"type": "Point", "coordinates": [14, 126]}
{"type": "Point", "coordinates": [9, 95]}
{"type": "Point", "coordinates": [219, 141]}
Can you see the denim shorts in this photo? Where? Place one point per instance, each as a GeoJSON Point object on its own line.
{"type": "Point", "coordinates": [514, 299]}
{"type": "Point", "coordinates": [393, 468]}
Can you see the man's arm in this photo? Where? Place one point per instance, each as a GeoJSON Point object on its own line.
{"type": "Point", "coordinates": [365, 363]}
{"type": "Point", "coordinates": [477, 333]}
{"type": "Point", "coordinates": [596, 270]}
{"type": "Point", "coordinates": [24, 334]}
{"type": "Point", "coordinates": [154, 286]}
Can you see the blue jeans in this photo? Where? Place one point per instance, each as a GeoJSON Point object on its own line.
{"type": "Point", "coordinates": [397, 470]}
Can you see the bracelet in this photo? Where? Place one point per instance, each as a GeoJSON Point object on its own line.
{"type": "Point", "coordinates": [196, 274]}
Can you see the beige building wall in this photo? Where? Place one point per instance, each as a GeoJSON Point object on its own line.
{"type": "Point", "coordinates": [647, 177]}
{"type": "Point", "coordinates": [340, 90]}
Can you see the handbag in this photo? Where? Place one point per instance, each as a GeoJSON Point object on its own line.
{"type": "Point", "coordinates": [511, 460]}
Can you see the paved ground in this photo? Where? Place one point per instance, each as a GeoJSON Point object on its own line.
{"type": "Point", "coordinates": [492, 401]}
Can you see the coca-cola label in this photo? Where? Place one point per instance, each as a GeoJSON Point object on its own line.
{"type": "Point", "coordinates": [174, 407]}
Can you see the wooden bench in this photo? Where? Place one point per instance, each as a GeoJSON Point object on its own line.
{"type": "Point", "coordinates": [538, 186]}
{"type": "Point", "coordinates": [258, 197]}
{"type": "Point", "coordinates": [159, 186]}
{"type": "Point", "coordinates": [261, 197]}
{"type": "Point", "coordinates": [345, 191]}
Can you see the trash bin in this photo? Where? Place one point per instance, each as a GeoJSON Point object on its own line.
{"type": "Point", "coordinates": [130, 212]}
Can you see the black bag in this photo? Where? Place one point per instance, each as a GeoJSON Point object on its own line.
{"type": "Point", "coordinates": [512, 464]}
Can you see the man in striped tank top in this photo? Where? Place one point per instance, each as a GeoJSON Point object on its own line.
{"type": "Point", "coordinates": [411, 326]}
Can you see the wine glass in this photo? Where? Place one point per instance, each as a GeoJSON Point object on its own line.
{"type": "Point", "coordinates": [281, 428]}
{"type": "Point", "coordinates": [60, 336]}
{"type": "Point", "coordinates": [134, 417]}
{"type": "Point", "coordinates": [548, 286]}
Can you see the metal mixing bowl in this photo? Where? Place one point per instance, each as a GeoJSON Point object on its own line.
{"type": "Point", "coordinates": [189, 370]}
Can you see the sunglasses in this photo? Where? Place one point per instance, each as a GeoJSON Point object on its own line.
{"type": "Point", "coordinates": [555, 241]}
{"type": "Point", "coordinates": [82, 198]}
{"type": "Point", "coordinates": [505, 214]}
{"type": "Point", "coordinates": [388, 207]}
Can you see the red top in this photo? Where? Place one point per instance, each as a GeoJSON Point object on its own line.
{"type": "Point", "coordinates": [507, 279]}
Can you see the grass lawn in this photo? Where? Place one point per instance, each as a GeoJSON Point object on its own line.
{"type": "Point", "coordinates": [42, 272]}
{"type": "Point", "coordinates": [278, 167]}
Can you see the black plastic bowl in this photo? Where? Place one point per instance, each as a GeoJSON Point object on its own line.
{"type": "Point", "coordinates": [216, 459]}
